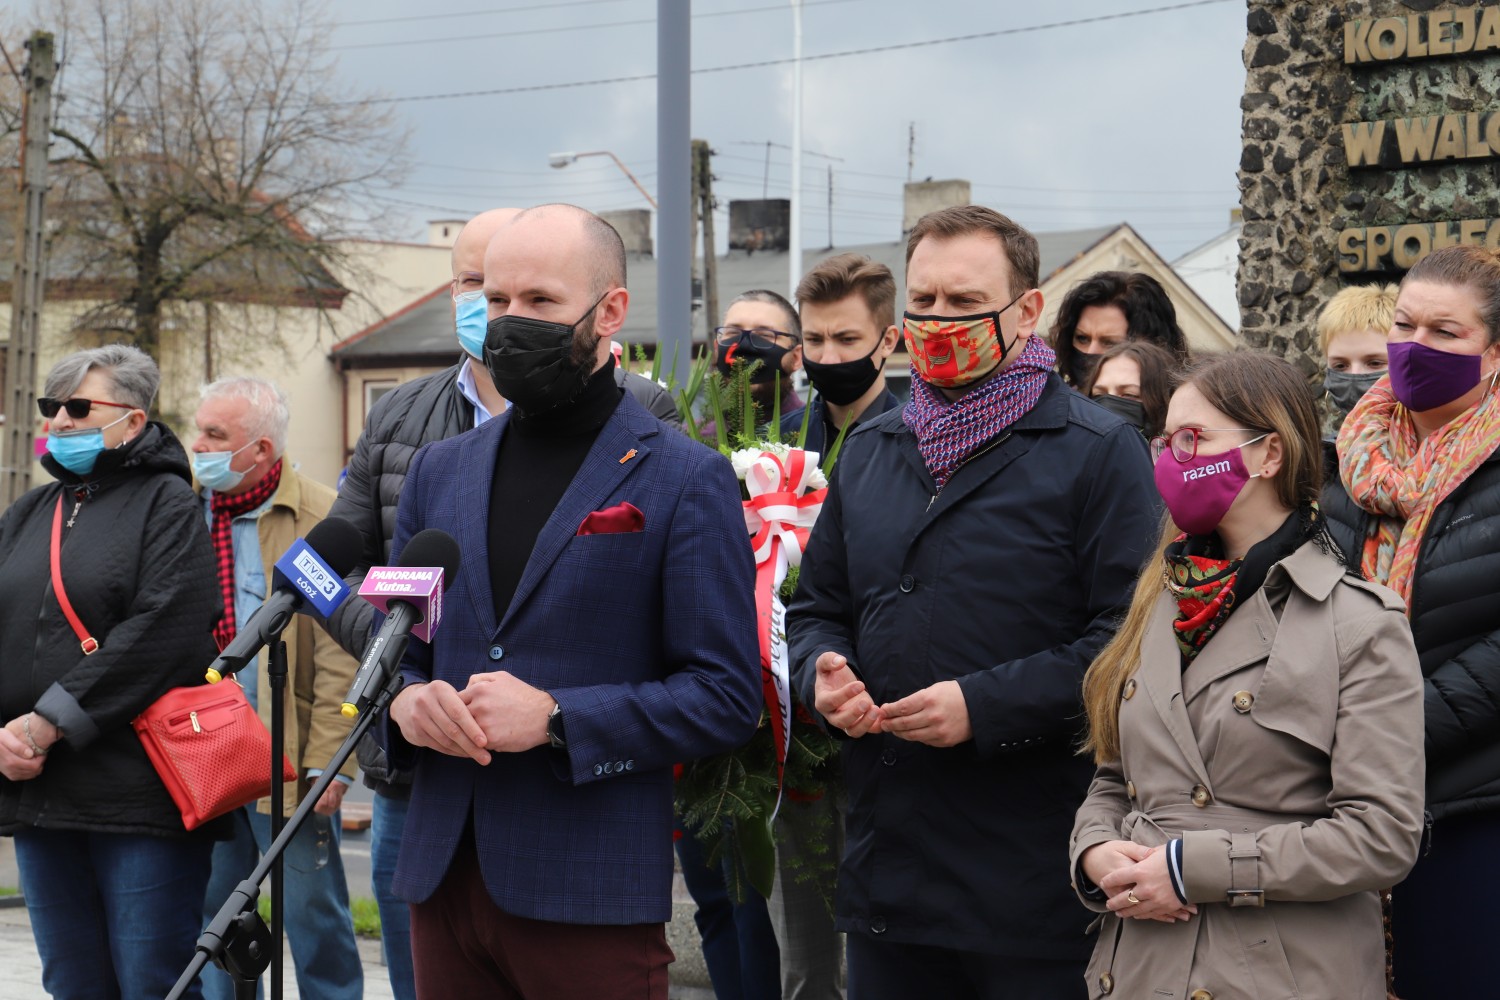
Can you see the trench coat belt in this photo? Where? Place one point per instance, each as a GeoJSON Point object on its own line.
{"type": "Point", "coordinates": [1157, 826]}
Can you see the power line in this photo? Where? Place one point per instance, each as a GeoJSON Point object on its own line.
{"type": "Point", "coordinates": [552, 4]}
{"type": "Point", "coordinates": [871, 50]}
{"type": "Point", "coordinates": [574, 27]}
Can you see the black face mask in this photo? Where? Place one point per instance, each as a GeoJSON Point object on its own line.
{"type": "Point", "coordinates": [843, 382]}
{"type": "Point", "coordinates": [745, 351]}
{"type": "Point", "coordinates": [1083, 368]}
{"type": "Point", "coordinates": [1132, 411]}
{"type": "Point", "coordinates": [532, 363]}
{"type": "Point", "coordinates": [1345, 388]}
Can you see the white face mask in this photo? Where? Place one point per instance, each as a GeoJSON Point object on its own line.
{"type": "Point", "coordinates": [213, 469]}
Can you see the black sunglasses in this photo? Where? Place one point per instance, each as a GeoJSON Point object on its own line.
{"type": "Point", "coordinates": [77, 407]}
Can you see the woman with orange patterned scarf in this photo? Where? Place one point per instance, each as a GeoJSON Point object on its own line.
{"type": "Point", "coordinates": [1417, 508]}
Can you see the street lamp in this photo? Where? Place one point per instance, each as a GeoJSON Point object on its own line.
{"type": "Point", "coordinates": [560, 160]}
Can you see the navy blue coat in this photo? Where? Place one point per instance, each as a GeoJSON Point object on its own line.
{"type": "Point", "coordinates": [646, 640]}
{"type": "Point", "coordinates": [819, 436]}
{"type": "Point", "coordinates": [1008, 581]}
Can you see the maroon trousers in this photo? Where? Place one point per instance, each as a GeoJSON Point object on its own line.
{"type": "Point", "coordinates": [463, 945]}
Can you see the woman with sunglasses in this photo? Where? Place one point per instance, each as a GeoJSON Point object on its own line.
{"type": "Point", "coordinates": [1256, 721]}
{"type": "Point", "coordinates": [113, 882]}
{"type": "Point", "coordinates": [1416, 506]}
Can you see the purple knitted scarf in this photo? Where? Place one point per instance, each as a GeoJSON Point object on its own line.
{"type": "Point", "coordinates": [948, 433]}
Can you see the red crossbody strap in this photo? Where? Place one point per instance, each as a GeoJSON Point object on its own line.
{"type": "Point", "coordinates": [88, 642]}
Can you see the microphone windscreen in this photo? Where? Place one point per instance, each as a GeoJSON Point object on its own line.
{"type": "Point", "coordinates": [433, 547]}
{"type": "Point", "coordinates": [337, 543]}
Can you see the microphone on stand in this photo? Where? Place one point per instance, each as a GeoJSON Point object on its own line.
{"type": "Point", "coordinates": [309, 577]}
{"type": "Point", "coordinates": [411, 595]}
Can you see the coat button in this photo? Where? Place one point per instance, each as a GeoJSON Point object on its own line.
{"type": "Point", "coordinates": [1106, 983]}
{"type": "Point", "coordinates": [877, 925]}
{"type": "Point", "coordinates": [496, 652]}
{"type": "Point", "coordinates": [630, 765]}
{"type": "Point", "coordinates": [1201, 797]}
{"type": "Point", "coordinates": [619, 767]}
{"type": "Point", "coordinates": [1129, 691]}
{"type": "Point", "coordinates": [1200, 995]}
{"type": "Point", "coordinates": [1242, 701]}
{"type": "Point", "coordinates": [1130, 789]}
{"type": "Point", "coordinates": [608, 767]}
{"type": "Point", "coordinates": [888, 757]}
{"type": "Point", "coordinates": [908, 584]}
{"type": "Point", "coordinates": [598, 770]}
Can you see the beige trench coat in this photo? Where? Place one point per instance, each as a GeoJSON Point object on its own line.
{"type": "Point", "coordinates": [1289, 758]}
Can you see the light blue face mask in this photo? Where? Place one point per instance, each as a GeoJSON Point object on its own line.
{"type": "Point", "coordinates": [213, 471]}
{"type": "Point", "coordinates": [77, 451]}
{"type": "Point", "coordinates": [469, 316]}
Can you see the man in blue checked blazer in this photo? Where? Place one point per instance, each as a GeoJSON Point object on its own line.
{"type": "Point", "coordinates": [601, 629]}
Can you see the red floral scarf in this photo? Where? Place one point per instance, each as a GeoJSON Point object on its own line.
{"type": "Point", "coordinates": [1203, 587]}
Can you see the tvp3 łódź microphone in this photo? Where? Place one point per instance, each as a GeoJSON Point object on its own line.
{"type": "Point", "coordinates": [411, 595]}
{"type": "Point", "coordinates": [308, 577]}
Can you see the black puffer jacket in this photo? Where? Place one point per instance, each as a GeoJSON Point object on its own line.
{"type": "Point", "coordinates": [138, 568]}
{"type": "Point", "coordinates": [1455, 620]}
{"type": "Point", "coordinates": [423, 410]}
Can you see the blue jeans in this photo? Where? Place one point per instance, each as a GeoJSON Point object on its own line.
{"type": "Point", "coordinates": [115, 915]}
{"type": "Point", "coordinates": [739, 946]}
{"type": "Point", "coordinates": [319, 929]}
{"type": "Point", "coordinates": [395, 917]}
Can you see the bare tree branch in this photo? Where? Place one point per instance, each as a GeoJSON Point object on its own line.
{"type": "Point", "coordinates": [208, 149]}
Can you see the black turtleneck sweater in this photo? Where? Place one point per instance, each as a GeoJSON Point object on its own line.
{"type": "Point", "coordinates": [539, 456]}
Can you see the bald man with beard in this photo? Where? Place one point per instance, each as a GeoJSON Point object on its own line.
{"type": "Point", "coordinates": [427, 409]}
{"type": "Point", "coordinates": [601, 629]}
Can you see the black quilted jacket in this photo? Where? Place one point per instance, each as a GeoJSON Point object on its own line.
{"type": "Point", "coordinates": [138, 567]}
{"type": "Point", "coordinates": [1455, 620]}
{"type": "Point", "coordinates": [423, 410]}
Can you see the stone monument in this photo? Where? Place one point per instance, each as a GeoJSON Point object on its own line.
{"type": "Point", "coordinates": [1371, 137]}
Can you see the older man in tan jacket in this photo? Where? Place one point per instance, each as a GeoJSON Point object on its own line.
{"type": "Point", "coordinates": [257, 505]}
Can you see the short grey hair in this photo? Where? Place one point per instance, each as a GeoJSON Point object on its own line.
{"type": "Point", "coordinates": [269, 413]}
{"type": "Point", "coordinates": [131, 372]}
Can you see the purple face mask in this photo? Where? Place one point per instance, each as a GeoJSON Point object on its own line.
{"type": "Point", "coordinates": [1424, 378]}
{"type": "Point", "coordinates": [1199, 492]}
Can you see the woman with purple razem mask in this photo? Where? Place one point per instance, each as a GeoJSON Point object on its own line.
{"type": "Point", "coordinates": [1256, 722]}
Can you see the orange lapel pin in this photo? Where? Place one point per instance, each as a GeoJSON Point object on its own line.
{"type": "Point", "coordinates": [627, 456]}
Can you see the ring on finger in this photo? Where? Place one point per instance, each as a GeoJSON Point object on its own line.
{"type": "Point", "coordinates": [1130, 898]}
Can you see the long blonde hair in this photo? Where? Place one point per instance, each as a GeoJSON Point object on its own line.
{"type": "Point", "coordinates": [1253, 390]}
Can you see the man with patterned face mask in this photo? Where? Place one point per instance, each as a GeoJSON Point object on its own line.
{"type": "Point", "coordinates": [975, 551]}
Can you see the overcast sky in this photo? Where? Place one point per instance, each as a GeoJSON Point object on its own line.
{"type": "Point", "coordinates": [1062, 126]}
{"type": "Point", "coordinates": [1129, 119]}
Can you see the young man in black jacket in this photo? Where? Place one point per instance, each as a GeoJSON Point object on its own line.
{"type": "Point", "coordinates": [974, 553]}
{"type": "Point", "coordinates": [431, 408]}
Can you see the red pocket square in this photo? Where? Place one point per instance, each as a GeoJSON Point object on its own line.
{"type": "Point", "coordinates": [617, 520]}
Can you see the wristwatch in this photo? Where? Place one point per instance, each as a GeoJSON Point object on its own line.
{"type": "Point", "coordinates": [555, 735]}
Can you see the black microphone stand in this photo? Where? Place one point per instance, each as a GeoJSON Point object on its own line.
{"type": "Point", "coordinates": [276, 671]}
{"type": "Point", "coordinates": [237, 939]}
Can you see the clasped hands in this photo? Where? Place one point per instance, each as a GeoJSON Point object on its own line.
{"type": "Point", "coordinates": [495, 711]}
{"type": "Point", "coordinates": [937, 715]}
{"type": "Point", "coordinates": [1136, 880]}
{"type": "Point", "coordinates": [18, 761]}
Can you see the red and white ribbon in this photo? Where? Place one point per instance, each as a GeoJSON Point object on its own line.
{"type": "Point", "coordinates": [779, 517]}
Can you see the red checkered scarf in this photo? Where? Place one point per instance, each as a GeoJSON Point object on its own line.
{"type": "Point", "coordinates": [226, 507]}
{"type": "Point", "coordinates": [948, 433]}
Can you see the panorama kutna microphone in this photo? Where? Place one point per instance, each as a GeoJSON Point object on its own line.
{"type": "Point", "coordinates": [309, 577]}
{"type": "Point", "coordinates": [411, 595]}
